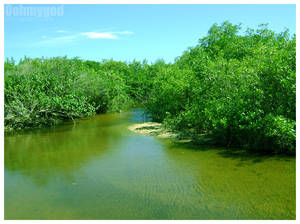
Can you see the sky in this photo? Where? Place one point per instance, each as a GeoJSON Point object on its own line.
{"type": "Point", "coordinates": [126, 32]}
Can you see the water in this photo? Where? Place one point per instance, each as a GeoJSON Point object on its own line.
{"type": "Point", "coordinates": [98, 169]}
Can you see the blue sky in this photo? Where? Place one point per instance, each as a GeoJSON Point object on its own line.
{"type": "Point", "coordinates": [128, 32]}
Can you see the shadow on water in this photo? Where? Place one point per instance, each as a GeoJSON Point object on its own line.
{"type": "Point", "coordinates": [240, 184]}
{"type": "Point", "coordinates": [231, 153]}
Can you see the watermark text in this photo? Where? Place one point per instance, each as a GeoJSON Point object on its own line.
{"type": "Point", "coordinates": [34, 11]}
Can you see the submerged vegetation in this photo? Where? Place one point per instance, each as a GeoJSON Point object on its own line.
{"type": "Point", "coordinates": [240, 89]}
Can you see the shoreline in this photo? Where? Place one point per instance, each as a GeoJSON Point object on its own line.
{"type": "Point", "coordinates": [158, 130]}
{"type": "Point", "coordinates": [153, 129]}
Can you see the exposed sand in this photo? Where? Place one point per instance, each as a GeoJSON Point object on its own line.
{"type": "Point", "coordinates": [157, 129]}
{"type": "Point", "coordinates": [152, 128]}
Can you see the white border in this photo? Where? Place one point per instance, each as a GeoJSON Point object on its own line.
{"type": "Point", "coordinates": [121, 2]}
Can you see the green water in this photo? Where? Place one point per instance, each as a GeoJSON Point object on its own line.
{"type": "Point", "coordinates": [98, 169]}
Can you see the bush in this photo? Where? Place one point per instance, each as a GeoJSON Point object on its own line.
{"type": "Point", "coordinates": [281, 133]}
{"type": "Point", "coordinates": [170, 90]}
{"type": "Point", "coordinates": [239, 88]}
{"type": "Point", "coordinates": [44, 92]}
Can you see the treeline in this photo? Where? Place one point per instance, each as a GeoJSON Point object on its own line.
{"type": "Point", "coordinates": [238, 88]}
{"type": "Point", "coordinates": [41, 92]}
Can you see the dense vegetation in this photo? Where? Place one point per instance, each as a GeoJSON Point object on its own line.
{"type": "Point", "coordinates": [238, 88]}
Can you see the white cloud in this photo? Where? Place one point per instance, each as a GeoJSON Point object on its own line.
{"type": "Point", "coordinates": [56, 40]}
{"type": "Point", "coordinates": [94, 35]}
{"type": "Point", "coordinates": [70, 38]}
{"type": "Point", "coordinates": [105, 35]}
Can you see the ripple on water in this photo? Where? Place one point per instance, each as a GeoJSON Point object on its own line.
{"type": "Point", "coordinates": [98, 169]}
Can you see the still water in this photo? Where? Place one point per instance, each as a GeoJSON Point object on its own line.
{"type": "Point", "coordinates": [98, 169]}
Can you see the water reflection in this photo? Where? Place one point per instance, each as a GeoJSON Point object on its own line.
{"type": "Point", "coordinates": [60, 151]}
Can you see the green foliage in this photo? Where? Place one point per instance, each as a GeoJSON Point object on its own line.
{"type": "Point", "coordinates": [171, 89]}
{"type": "Point", "coordinates": [43, 92]}
{"type": "Point", "coordinates": [47, 91]}
{"type": "Point", "coordinates": [240, 89]}
{"type": "Point", "coordinates": [281, 133]}
{"type": "Point", "coordinates": [116, 91]}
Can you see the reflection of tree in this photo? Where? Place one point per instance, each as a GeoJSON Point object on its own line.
{"type": "Point", "coordinates": [57, 152]}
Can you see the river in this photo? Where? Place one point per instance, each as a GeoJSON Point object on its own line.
{"type": "Point", "coordinates": [97, 169]}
